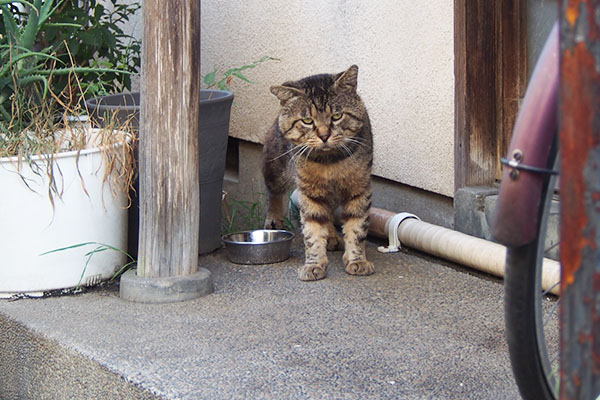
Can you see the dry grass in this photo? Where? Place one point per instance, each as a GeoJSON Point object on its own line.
{"type": "Point", "coordinates": [45, 124]}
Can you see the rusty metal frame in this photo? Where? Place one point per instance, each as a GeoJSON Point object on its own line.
{"type": "Point", "coordinates": [579, 126]}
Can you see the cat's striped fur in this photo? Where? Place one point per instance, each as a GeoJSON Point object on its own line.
{"type": "Point", "coordinates": [322, 142]}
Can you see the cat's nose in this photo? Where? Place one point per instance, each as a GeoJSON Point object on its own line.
{"type": "Point", "coordinates": [323, 133]}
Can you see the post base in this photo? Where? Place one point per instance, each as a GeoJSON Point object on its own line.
{"type": "Point", "coordinates": [165, 289]}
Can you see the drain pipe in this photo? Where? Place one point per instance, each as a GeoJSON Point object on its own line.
{"type": "Point", "coordinates": [448, 244]}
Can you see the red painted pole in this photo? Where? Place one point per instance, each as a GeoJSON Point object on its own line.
{"type": "Point", "coordinates": [579, 126]}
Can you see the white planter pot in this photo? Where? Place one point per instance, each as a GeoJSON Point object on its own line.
{"type": "Point", "coordinates": [30, 226]}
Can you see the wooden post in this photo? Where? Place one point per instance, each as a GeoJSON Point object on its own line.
{"type": "Point", "coordinates": [168, 158]}
{"type": "Point", "coordinates": [490, 76]}
{"type": "Point", "coordinates": [511, 80]}
{"type": "Point", "coordinates": [169, 188]}
{"type": "Point", "coordinates": [475, 135]}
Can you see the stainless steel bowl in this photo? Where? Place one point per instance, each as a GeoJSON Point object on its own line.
{"type": "Point", "coordinates": [262, 246]}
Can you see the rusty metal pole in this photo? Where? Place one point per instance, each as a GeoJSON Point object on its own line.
{"type": "Point", "coordinates": [579, 126]}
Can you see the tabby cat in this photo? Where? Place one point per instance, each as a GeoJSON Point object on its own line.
{"type": "Point", "coordinates": [322, 140]}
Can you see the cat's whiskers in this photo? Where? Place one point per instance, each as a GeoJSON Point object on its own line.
{"type": "Point", "coordinates": [297, 155]}
{"type": "Point", "coordinates": [346, 149]}
{"type": "Point", "coordinates": [356, 144]}
{"type": "Point", "coordinates": [355, 140]}
{"type": "Point", "coordinates": [287, 152]}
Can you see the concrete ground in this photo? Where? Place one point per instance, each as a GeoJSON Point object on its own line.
{"type": "Point", "coordinates": [416, 329]}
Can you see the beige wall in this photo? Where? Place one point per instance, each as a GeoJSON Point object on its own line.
{"type": "Point", "coordinates": [404, 49]}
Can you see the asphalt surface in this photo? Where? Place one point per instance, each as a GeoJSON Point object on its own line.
{"type": "Point", "coordinates": [416, 329]}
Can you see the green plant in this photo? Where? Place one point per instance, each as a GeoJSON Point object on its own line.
{"type": "Point", "coordinates": [100, 247]}
{"type": "Point", "coordinates": [242, 215]}
{"type": "Point", "coordinates": [222, 81]}
{"type": "Point", "coordinates": [96, 41]}
{"type": "Point", "coordinates": [69, 48]}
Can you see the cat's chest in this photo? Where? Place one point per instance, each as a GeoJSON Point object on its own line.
{"type": "Point", "coordinates": [341, 174]}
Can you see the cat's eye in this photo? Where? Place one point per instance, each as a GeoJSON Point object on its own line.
{"type": "Point", "coordinates": [337, 116]}
{"type": "Point", "coordinates": [307, 120]}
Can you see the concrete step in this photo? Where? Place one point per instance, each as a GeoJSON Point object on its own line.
{"type": "Point", "coordinates": [34, 366]}
{"type": "Point", "coordinates": [415, 329]}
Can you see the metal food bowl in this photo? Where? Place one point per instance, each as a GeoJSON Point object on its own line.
{"type": "Point", "coordinates": [262, 246]}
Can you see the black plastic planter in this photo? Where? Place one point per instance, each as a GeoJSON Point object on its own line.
{"type": "Point", "coordinates": [124, 107]}
{"type": "Point", "coordinates": [215, 108]}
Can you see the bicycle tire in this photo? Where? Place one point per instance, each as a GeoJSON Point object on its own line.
{"type": "Point", "coordinates": [523, 304]}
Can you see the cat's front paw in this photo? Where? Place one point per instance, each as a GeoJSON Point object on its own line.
{"type": "Point", "coordinates": [360, 267]}
{"type": "Point", "coordinates": [272, 223]}
{"type": "Point", "coordinates": [312, 272]}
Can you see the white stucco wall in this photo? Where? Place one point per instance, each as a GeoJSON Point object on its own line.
{"type": "Point", "coordinates": [404, 50]}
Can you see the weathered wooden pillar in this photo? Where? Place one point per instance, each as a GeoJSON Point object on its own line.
{"type": "Point", "coordinates": [168, 157]}
{"type": "Point", "coordinates": [579, 126]}
{"type": "Point", "coordinates": [490, 72]}
{"type": "Point", "coordinates": [475, 134]}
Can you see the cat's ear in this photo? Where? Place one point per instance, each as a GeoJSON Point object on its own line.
{"type": "Point", "coordinates": [347, 80]}
{"type": "Point", "coordinates": [285, 92]}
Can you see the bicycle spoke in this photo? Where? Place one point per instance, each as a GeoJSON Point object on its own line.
{"type": "Point", "coordinates": [551, 314]}
{"type": "Point", "coordinates": [549, 249]}
{"type": "Point", "coordinates": [550, 289]}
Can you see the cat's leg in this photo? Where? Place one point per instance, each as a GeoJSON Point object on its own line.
{"type": "Point", "coordinates": [277, 181]}
{"type": "Point", "coordinates": [276, 210]}
{"type": "Point", "coordinates": [335, 241]}
{"type": "Point", "coordinates": [316, 218]}
{"type": "Point", "coordinates": [355, 214]}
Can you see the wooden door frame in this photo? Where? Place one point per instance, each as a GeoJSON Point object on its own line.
{"type": "Point", "coordinates": [490, 78]}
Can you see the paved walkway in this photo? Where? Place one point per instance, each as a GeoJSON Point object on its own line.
{"type": "Point", "coordinates": [416, 329]}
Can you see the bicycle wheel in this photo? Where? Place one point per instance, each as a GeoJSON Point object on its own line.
{"type": "Point", "coordinates": [531, 314]}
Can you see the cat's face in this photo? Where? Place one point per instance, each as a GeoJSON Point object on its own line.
{"type": "Point", "coordinates": [322, 112]}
